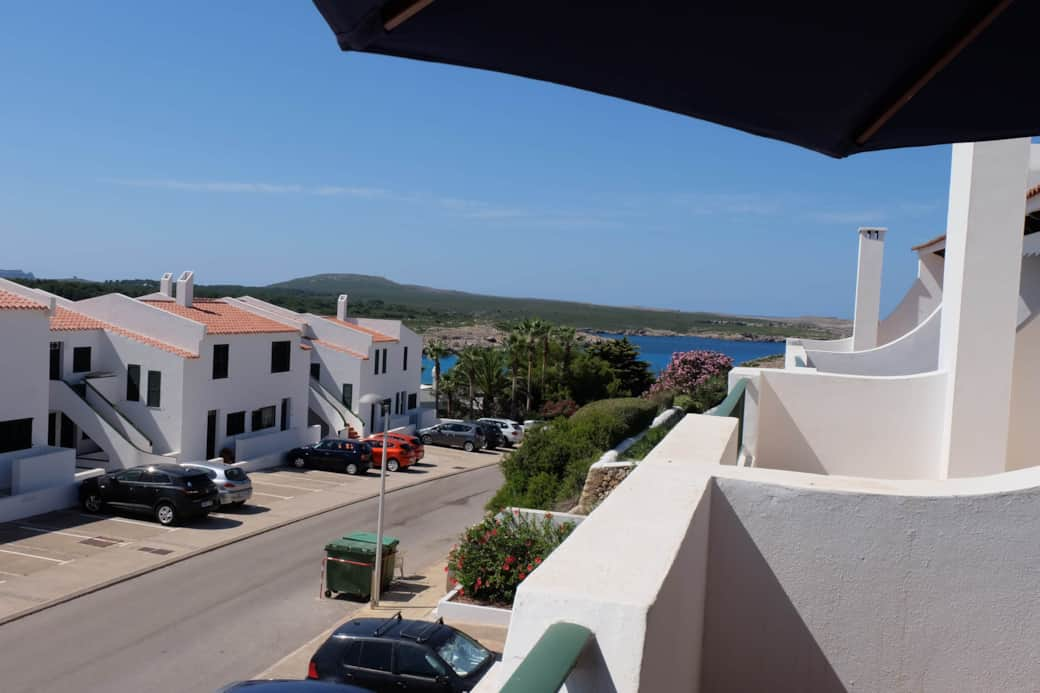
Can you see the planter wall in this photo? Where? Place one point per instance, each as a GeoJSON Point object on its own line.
{"type": "Point", "coordinates": [472, 613]}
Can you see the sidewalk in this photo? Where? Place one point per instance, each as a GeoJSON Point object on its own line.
{"type": "Point", "coordinates": [415, 596]}
{"type": "Point", "coordinates": [80, 553]}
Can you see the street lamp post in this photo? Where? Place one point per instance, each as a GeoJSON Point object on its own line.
{"type": "Point", "coordinates": [377, 574]}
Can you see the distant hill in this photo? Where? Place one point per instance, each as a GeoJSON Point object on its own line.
{"type": "Point", "coordinates": [421, 307]}
{"type": "Point", "coordinates": [460, 305]}
{"type": "Point", "coordinates": [16, 274]}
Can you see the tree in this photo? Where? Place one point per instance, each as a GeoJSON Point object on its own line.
{"type": "Point", "coordinates": [467, 367]}
{"type": "Point", "coordinates": [542, 332]}
{"type": "Point", "coordinates": [688, 370]}
{"type": "Point", "coordinates": [634, 376]}
{"type": "Point", "coordinates": [567, 338]}
{"type": "Point", "coordinates": [488, 365]}
{"type": "Point", "coordinates": [527, 330]}
{"type": "Point", "coordinates": [435, 351]}
{"type": "Point", "coordinates": [514, 347]}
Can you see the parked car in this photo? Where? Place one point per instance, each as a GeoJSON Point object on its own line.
{"type": "Point", "coordinates": [168, 492]}
{"type": "Point", "coordinates": [493, 437]}
{"type": "Point", "coordinates": [414, 441]}
{"type": "Point", "coordinates": [391, 654]}
{"type": "Point", "coordinates": [399, 455]}
{"type": "Point", "coordinates": [339, 455]}
{"type": "Point", "coordinates": [232, 483]}
{"type": "Point", "coordinates": [468, 436]}
{"type": "Point", "coordinates": [289, 686]}
{"type": "Point", "coordinates": [512, 431]}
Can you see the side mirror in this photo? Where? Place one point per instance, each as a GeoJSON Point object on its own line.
{"type": "Point", "coordinates": [443, 680]}
{"type": "Point", "coordinates": [114, 481]}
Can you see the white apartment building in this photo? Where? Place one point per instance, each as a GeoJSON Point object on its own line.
{"type": "Point", "coordinates": [351, 357]}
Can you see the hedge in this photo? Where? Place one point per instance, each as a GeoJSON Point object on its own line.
{"type": "Point", "coordinates": [551, 465]}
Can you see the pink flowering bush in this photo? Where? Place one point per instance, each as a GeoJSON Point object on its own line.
{"type": "Point", "coordinates": [495, 556]}
{"type": "Point", "coordinates": [688, 370]}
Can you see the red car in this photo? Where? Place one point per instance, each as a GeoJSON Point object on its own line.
{"type": "Point", "coordinates": [417, 446]}
{"type": "Point", "coordinates": [399, 455]}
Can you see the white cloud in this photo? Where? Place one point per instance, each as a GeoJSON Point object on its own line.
{"type": "Point", "coordinates": [865, 216]}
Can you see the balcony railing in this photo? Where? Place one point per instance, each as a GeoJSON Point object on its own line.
{"type": "Point", "coordinates": [733, 406]}
{"type": "Point", "coordinates": [550, 661]}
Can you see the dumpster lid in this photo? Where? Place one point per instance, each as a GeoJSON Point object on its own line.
{"type": "Point", "coordinates": [361, 542]}
{"type": "Point", "coordinates": [370, 538]}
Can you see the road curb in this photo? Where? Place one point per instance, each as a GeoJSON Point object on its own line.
{"type": "Point", "coordinates": [219, 545]}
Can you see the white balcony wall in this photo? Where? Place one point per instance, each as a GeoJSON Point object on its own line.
{"type": "Point", "coordinates": [919, 302]}
{"type": "Point", "coordinates": [823, 423]}
{"type": "Point", "coordinates": [915, 352]}
{"type": "Point", "coordinates": [23, 369]}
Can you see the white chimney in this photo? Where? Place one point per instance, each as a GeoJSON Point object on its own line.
{"type": "Point", "coordinates": [868, 288]}
{"type": "Point", "coordinates": [186, 289]}
{"type": "Point", "coordinates": [166, 284]}
{"type": "Point", "coordinates": [341, 307]}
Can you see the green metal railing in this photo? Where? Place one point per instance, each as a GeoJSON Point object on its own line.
{"type": "Point", "coordinates": [550, 661]}
{"type": "Point", "coordinates": [733, 406]}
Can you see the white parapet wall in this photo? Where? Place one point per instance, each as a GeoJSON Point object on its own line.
{"type": "Point", "coordinates": [266, 449]}
{"type": "Point", "coordinates": [39, 479]}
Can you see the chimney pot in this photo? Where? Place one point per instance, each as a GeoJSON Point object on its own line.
{"type": "Point", "coordinates": [166, 284]}
{"type": "Point", "coordinates": [186, 289]}
{"type": "Point", "coordinates": [341, 307]}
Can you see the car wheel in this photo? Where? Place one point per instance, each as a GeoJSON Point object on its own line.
{"type": "Point", "coordinates": [351, 468]}
{"type": "Point", "coordinates": [93, 503]}
{"type": "Point", "coordinates": [468, 446]}
{"type": "Point", "coordinates": [427, 440]}
{"type": "Point", "coordinates": [392, 465]}
{"type": "Point", "coordinates": [165, 514]}
{"type": "Point", "coordinates": [299, 463]}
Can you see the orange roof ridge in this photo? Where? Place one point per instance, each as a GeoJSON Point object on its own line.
{"type": "Point", "coordinates": [65, 320]}
{"type": "Point", "coordinates": [220, 317]}
{"type": "Point", "coordinates": [928, 243]}
{"type": "Point", "coordinates": [376, 335]}
{"type": "Point", "coordinates": [12, 301]}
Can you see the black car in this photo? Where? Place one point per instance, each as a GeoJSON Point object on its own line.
{"type": "Point", "coordinates": [391, 654]}
{"type": "Point", "coordinates": [288, 686]}
{"type": "Point", "coordinates": [335, 454]}
{"type": "Point", "coordinates": [493, 437]}
{"type": "Point", "coordinates": [168, 492]}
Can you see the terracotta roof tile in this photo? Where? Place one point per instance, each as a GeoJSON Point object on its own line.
{"type": "Point", "coordinates": [376, 336]}
{"type": "Point", "coordinates": [13, 301]}
{"type": "Point", "coordinates": [65, 320]}
{"type": "Point", "coordinates": [337, 347]}
{"type": "Point", "coordinates": [306, 347]}
{"type": "Point", "coordinates": [1033, 192]}
{"type": "Point", "coordinates": [223, 318]}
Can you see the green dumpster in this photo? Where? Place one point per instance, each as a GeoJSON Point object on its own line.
{"type": "Point", "coordinates": [350, 560]}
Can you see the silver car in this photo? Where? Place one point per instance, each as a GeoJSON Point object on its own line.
{"type": "Point", "coordinates": [511, 430]}
{"type": "Point", "coordinates": [232, 482]}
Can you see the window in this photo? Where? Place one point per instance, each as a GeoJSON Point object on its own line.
{"type": "Point", "coordinates": [52, 428]}
{"type": "Point", "coordinates": [463, 654]}
{"type": "Point", "coordinates": [412, 400]}
{"type": "Point", "coordinates": [15, 434]}
{"type": "Point", "coordinates": [376, 655]}
{"type": "Point", "coordinates": [263, 418]}
{"type": "Point", "coordinates": [384, 360]}
{"type": "Point", "coordinates": [415, 661]}
{"type": "Point", "coordinates": [130, 475]}
{"type": "Point", "coordinates": [405, 367]}
{"type": "Point", "coordinates": [351, 654]}
{"type": "Point", "coordinates": [155, 478]}
{"type": "Point", "coordinates": [220, 361]}
{"type": "Point", "coordinates": [286, 408]}
{"type": "Point", "coordinates": [154, 388]}
{"type": "Point", "coordinates": [236, 423]}
{"type": "Point", "coordinates": [133, 383]}
{"type": "Point", "coordinates": [280, 356]}
{"type": "Point", "coordinates": [55, 361]}
{"type": "Point", "coordinates": [316, 371]}
{"type": "Point", "coordinates": [348, 394]}
{"type": "Point", "coordinates": [376, 351]}
{"type": "Point", "coordinates": [397, 402]}
{"type": "Point", "coordinates": [80, 359]}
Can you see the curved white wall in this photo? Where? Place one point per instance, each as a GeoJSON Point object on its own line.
{"type": "Point", "coordinates": [920, 301]}
{"type": "Point", "coordinates": [915, 352]}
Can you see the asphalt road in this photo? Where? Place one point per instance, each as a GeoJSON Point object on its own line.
{"type": "Point", "coordinates": [225, 615]}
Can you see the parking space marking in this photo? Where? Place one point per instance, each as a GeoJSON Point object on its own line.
{"type": "Point", "coordinates": [271, 495]}
{"type": "Point", "coordinates": [4, 572]}
{"type": "Point", "coordinates": [265, 482]}
{"type": "Point", "coordinates": [29, 555]}
{"type": "Point", "coordinates": [44, 530]}
{"type": "Point", "coordinates": [153, 525]}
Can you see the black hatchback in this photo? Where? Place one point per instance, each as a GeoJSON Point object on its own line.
{"type": "Point", "coordinates": [168, 492]}
{"type": "Point", "coordinates": [334, 454]}
{"type": "Point", "coordinates": [391, 654]}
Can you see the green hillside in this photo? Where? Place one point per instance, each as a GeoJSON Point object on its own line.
{"type": "Point", "coordinates": [421, 307]}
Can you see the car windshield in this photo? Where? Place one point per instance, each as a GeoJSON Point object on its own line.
{"type": "Point", "coordinates": [462, 654]}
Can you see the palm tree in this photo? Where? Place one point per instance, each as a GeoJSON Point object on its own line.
{"type": "Point", "coordinates": [515, 354]}
{"type": "Point", "coordinates": [542, 334]}
{"type": "Point", "coordinates": [487, 374]}
{"type": "Point", "coordinates": [526, 331]}
{"type": "Point", "coordinates": [567, 338]}
{"type": "Point", "coordinates": [435, 351]}
{"type": "Point", "coordinates": [467, 367]}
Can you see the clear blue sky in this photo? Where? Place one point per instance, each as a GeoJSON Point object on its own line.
{"type": "Point", "coordinates": [235, 139]}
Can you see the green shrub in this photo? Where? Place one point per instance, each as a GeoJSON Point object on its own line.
{"type": "Point", "coordinates": [633, 414]}
{"type": "Point", "coordinates": [647, 443]}
{"type": "Point", "coordinates": [707, 395]}
{"type": "Point", "coordinates": [495, 556]}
